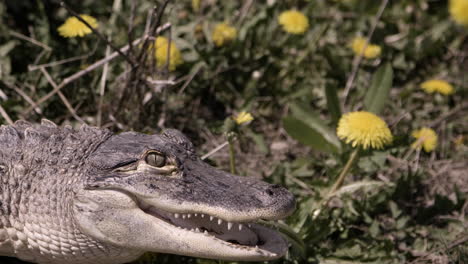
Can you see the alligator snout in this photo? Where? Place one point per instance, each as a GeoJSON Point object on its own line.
{"type": "Point", "coordinates": [280, 198]}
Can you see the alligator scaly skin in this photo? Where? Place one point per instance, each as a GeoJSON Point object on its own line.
{"type": "Point", "coordinates": [40, 169]}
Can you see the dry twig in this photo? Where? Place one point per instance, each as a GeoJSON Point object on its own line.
{"type": "Point", "coordinates": [358, 59]}
{"type": "Point", "coordinates": [24, 95]}
{"type": "Point", "coordinates": [90, 68]}
{"type": "Point", "coordinates": [56, 63]}
{"type": "Point", "coordinates": [115, 10]}
{"type": "Point", "coordinates": [189, 79]}
{"type": "Point", "coordinates": [218, 148]}
{"type": "Point", "coordinates": [3, 95]}
{"type": "Point", "coordinates": [5, 116]}
{"type": "Point", "coordinates": [133, 92]}
{"type": "Point", "coordinates": [457, 242]}
{"type": "Point", "coordinates": [62, 96]}
{"type": "Point", "coordinates": [33, 41]}
{"type": "Point", "coordinates": [449, 114]}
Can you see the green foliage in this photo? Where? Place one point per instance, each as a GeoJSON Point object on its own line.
{"type": "Point", "coordinates": [333, 104]}
{"type": "Point", "coordinates": [379, 89]}
{"type": "Point", "coordinates": [310, 130]}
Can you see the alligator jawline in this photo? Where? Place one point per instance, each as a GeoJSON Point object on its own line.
{"type": "Point", "coordinates": [248, 236]}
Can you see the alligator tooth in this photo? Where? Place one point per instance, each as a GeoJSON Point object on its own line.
{"type": "Point", "coordinates": [256, 247]}
{"type": "Point", "coordinates": [189, 215]}
{"type": "Point", "coordinates": [219, 221]}
{"type": "Point", "coordinates": [196, 229]}
{"type": "Point", "coordinates": [249, 225]}
{"type": "Point", "coordinates": [183, 216]}
{"type": "Point", "coordinates": [202, 215]}
{"type": "Point", "coordinates": [211, 218]}
{"type": "Point", "coordinates": [195, 214]}
{"type": "Point", "coordinates": [176, 215]}
{"type": "Point", "coordinates": [240, 227]}
{"type": "Point", "coordinates": [229, 225]}
{"type": "Point", "coordinates": [206, 232]}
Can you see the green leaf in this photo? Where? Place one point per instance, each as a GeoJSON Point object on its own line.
{"type": "Point", "coordinates": [374, 229]}
{"type": "Point", "coordinates": [396, 212]}
{"type": "Point", "coordinates": [333, 104]}
{"type": "Point", "coordinates": [377, 95]}
{"type": "Point", "coordinates": [306, 135]}
{"type": "Point", "coordinates": [349, 250]}
{"type": "Point", "coordinates": [259, 141]}
{"type": "Point", "coordinates": [310, 130]}
{"type": "Point", "coordinates": [251, 23]}
{"type": "Point", "coordinates": [402, 221]}
{"type": "Point", "coordinates": [324, 138]}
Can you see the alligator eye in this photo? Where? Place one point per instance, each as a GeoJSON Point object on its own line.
{"type": "Point", "coordinates": [155, 159]}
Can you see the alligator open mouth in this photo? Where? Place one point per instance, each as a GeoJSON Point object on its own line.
{"type": "Point", "coordinates": [248, 236]}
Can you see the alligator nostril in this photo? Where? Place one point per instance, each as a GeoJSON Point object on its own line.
{"type": "Point", "coordinates": [272, 189]}
{"type": "Point", "coordinates": [269, 192]}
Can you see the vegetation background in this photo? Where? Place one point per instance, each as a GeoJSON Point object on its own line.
{"type": "Point", "coordinates": [397, 205]}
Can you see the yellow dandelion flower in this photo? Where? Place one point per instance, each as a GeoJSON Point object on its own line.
{"type": "Point", "coordinates": [364, 129]}
{"type": "Point", "coordinates": [160, 51]}
{"type": "Point", "coordinates": [439, 86]}
{"type": "Point", "coordinates": [75, 28]}
{"type": "Point", "coordinates": [458, 9]}
{"type": "Point", "coordinates": [293, 22]}
{"type": "Point", "coordinates": [196, 5]}
{"type": "Point", "coordinates": [370, 52]}
{"type": "Point", "coordinates": [426, 138]}
{"type": "Point", "coordinates": [223, 33]}
{"type": "Point", "coordinates": [459, 140]}
{"type": "Point", "coordinates": [243, 117]}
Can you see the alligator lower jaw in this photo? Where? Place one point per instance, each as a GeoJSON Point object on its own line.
{"type": "Point", "coordinates": [259, 242]}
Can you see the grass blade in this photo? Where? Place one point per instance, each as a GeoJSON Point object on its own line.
{"type": "Point", "coordinates": [379, 90]}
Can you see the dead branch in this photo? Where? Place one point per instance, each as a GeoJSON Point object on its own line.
{"type": "Point", "coordinates": [90, 68]}
{"type": "Point", "coordinates": [24, 95]}
{"type": "Point", "coordinates": [449, 114]}
{"type": "Point", "coordinates": [62, 96]}
{"type": "Point", "coordinates": [5, 116]}
{"type": "Point", "coordinates": [33, 41]}
{"type": "Point", "coordinates": [358, 59]}
{"type": "Point", "coordinates": [56, 63]}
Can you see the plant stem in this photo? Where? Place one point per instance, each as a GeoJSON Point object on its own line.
{"type": "Point", "coordinates": [354, 156]}
{"type": "Point", "coordinates": [218, 148]}
{"type": "Point", "coordinates": [232, 158]}
{"type": "Point", "coordinates": [358, 59]}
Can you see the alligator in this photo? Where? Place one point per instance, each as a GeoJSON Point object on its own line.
{"type": "Point", "coordinates": [88, 195]}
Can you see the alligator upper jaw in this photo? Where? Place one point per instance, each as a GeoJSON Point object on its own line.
{"type": "Point", "coordinates": [244, 241]}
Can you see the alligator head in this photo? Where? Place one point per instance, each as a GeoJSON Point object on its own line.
{"type": "Point", "coordinates": [152, 193]}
